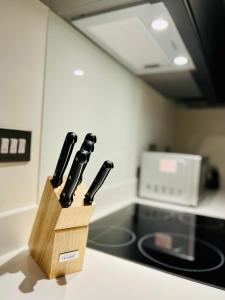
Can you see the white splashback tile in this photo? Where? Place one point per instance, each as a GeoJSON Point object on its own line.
{"type": "Point", "coordinates": [124, 112]}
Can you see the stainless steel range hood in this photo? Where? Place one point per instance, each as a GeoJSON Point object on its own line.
{"type": "Point", "coordinates": [123, 29]}
{"type": "Point", "coordinates": [128, 36]}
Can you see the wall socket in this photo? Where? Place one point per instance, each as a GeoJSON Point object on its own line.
{"type": "Point", "coordinates": [15, 145]}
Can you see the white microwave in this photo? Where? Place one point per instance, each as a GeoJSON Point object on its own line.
{"type": "Point", "coordinates": [172, 177]}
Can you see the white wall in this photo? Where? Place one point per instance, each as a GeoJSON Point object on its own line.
{"type": "Point", "coordinates": [23, 26]}
{"type": "Point", "coordinates": [202, 131]}
{"type": "Point", "coordinates": [124, 113]}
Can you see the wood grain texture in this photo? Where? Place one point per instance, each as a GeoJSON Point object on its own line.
{"type": "Point", "coordinates": [78, 214]}
{"type": "Point", "coordinates": [58, 230]}
{"type": "Point", "coordinates": [42, 235]}
{"type": "Point", "coordinates": [65, 240]}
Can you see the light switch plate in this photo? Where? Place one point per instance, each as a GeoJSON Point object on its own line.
{"type": "Point", "coordinates": [15, 145]}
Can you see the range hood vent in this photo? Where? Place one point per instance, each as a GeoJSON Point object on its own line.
{"type": "Point", "coordinates": [130, 40]}
{"type": "Point", "coordinates": [128, 36]}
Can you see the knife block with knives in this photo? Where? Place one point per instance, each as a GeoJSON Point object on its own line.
{"type": "Point", "coordinates": [59, 235]}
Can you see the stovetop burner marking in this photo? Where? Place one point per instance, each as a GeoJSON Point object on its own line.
{"type": "Point", "coordinates": [212, 247]}
{"type": "Point", "coordinates": [108, 228]}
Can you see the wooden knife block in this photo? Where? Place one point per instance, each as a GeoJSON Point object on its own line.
{"type": "Point", "coordinates": [58, 231]}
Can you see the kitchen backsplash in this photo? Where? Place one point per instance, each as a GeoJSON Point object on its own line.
{"type": "Point", "coordinates": [124, 112]}
{"type": "Point", "coordinates": [202, 132]}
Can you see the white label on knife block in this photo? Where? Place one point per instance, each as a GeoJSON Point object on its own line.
{"type": "Point", "coordinates": [69, 255]}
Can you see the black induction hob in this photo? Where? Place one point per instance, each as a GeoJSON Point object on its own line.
{"type": "Point", "coordinates": [187, 245]}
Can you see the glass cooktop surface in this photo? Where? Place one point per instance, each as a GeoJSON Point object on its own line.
{"type": "Point", "coordinates": [183, 244]}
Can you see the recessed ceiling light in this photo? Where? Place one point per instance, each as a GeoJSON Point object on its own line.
{"type": "Point", "coordinates": [78, 72]}
{"type": "Point", "coordinates": [159, 24]}
{"type": "Point", "coordinates": [180, 60]}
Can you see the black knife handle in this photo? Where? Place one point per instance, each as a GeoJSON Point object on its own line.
{"type": "Point", "coordinates": [89, 147]}
{"type": "Point", "coordinates": [69, 142]}
{"type": "Point", "coordinates": [91, 137]}
{"type": "Point", "coordinates": [66, 196]}
{"type": "Point", "coordinates": [98, 182]}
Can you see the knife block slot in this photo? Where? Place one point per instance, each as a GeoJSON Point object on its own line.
{"type": "Point", "coordinates": [59, 235]}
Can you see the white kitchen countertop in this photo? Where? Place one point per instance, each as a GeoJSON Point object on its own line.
{"type": "Point", "coordinates": [105, 276]}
